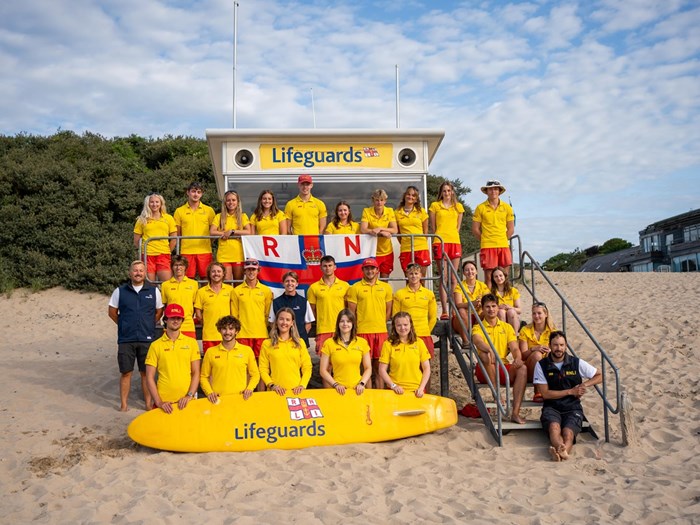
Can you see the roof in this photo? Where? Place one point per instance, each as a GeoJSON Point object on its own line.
{"type": "Point", "coordinates": [618, 261]}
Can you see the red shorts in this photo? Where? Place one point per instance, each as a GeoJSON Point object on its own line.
{"type": "Point", "coordinates": [199, 262]}
{"type": "Point", "coordinates": [386, 263]}
{"type": "Point", "coordinates": [452, 250]}
{"type": "Point", "coordinates": [481, 376]}
{"type": "Point", "coordinates": [206, 345]}
{"type": "Point", "coordinates": [193, 335]}
{"type": "Point", "coordinates": [254, 342]}
{"type": "Point", "coordinates": [156, 263]}
{"type": "Point", "coordinates": [421, 257]}
{"type": "Point", "coordinates": [231, 264]}
{"type": "Point", "coordinates": [376, 341]}
{"type": "Point", "coordinates": [494, 257]}
{"type": "Point", "coordinates": [320, 339]}
{"type": "Point", "coordinates": [428, 340]}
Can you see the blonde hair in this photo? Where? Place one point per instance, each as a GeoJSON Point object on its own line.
{"type": "Point", "coordinates": [379, 195]}
{"type": "Point", "coordinates": [146, 211]}
{"type": "Point", "coordinates": [293, 332]}
{"type": "Point", "coordinates": [224, 211]}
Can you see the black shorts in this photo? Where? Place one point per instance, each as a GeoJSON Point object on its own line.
{"type": "Point", "coordinates": [130, 352]}
{"type": "Point", "coordinates": [572, 419]}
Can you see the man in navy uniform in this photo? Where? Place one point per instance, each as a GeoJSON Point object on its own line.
{"type": "Point", "coordinates": [562, 379]}
{"type": "Point", "coordinates": [136, 307]}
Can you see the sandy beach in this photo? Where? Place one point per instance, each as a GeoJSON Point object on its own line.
{"type": "Point", "coordinates": [67, 458]}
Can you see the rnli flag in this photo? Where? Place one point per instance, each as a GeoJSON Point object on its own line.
{"type": "Point", "coordinates": [279, 254]}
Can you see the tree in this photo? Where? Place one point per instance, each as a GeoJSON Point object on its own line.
{"type": "Point", "coordinates": [614, 245]}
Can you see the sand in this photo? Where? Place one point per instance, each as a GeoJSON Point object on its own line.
{"type": "Point", "coordinates": [66, 457]}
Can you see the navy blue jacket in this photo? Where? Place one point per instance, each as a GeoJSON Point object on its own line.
{"type": "Point", "coordinates": [567, 377]}
{"type": "Point", "coordinates": [298, 304]}
{"type": "Point", "coordinates": [137, 314]}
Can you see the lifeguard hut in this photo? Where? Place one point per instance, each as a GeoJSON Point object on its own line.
{"type": "Point", "coordinates": [345, 164]}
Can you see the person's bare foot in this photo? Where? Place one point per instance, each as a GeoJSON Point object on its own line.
{"type": "Point", "coordinates": [553, 453]}
{"type": "Point", "coordinates": [123, 408]}
{"type": "Point", "coordinates": [515, 418]}
{"type": "Point", "coordinates": [563, 454]}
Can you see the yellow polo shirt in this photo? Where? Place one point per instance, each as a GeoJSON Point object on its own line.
{"type": "Point", "coordinates": [421, 306]}
{"type": "Point", "coordinates": [214, 306]}
{"type": "Point", "coordinates": [162, 227]}
{"type": "Point", "coordinates": [412, 223]}
{"type": "Point", "coordinates": [446, 220]}
{"type": "Point", "coordinates": [285, 365]}
{"type": "Point", "coordinates": [404, 362]}
{"type": "Point", "coordinates": [527, 334]}
{"type": "Point", "coordinates": [328, 302]}
{"type": "Point", "coordinates": [172, 360]}
{"type": "Point", "coordinates": [501, 335]}
{"type": "Point", "coordinates": [346, 361]}
{"type": "Point", "coordinates": [371, 301]}
{"type": "Point", "coordinates": [182, 293]}
{"type": "Point", "coordinates": [350, 228]}
{"type": "Point", "coordinates": [304, 216]}
{"type": "Point", "coordinates": [229, 371]}
{"type": "Point", "coordinates": [195, 222]}
{"type": "Point", "coordinates": [252, 308]}
{"type": "Point", "coordinates": [494, 224]}
{"type": "Point", "coordinates": [374, 221]}
{"type": "Point", "coordinates": [231, 250]}
{"type": "Point", "coordinates": [269, 225]}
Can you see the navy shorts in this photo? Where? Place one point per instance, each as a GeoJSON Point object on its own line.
{"type": "Point", "coordinates": [130, 352]}
{"type": "Point", "coordinates": [572, 419]}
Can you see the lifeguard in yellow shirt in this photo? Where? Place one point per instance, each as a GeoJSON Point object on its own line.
{"type": "Point", "coordinates": [380, 222]}
{"type": "Point", "coordinates": [327, 298]}
{"type": "Point", "coordinates": [285, 363]}
{"type": "Point", "coordinates": [345, 360]}
{"type": "Point", "coordinates": [182, 290]}
{"type": "Point", "coordinates": [211, 303]}
{"type": "Point", "coordinates": [230, 367]}
{"type": "Point", "coordinates": [194, 218]}
{"type": "Point", "coordinates": [306, 215]}
{"type": "Point", "coordinates": [342, 223]}
{"type": "Point", "coordinates": [154, 221]}
{"type": "Point", "coordinates": [229, 225]}
{"type": "Point", "coordinates": [268, 219]}
{"type": "Point", "coordinates": [412, 219]}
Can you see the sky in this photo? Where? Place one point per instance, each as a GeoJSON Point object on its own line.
{"type": "Point", "coordinates": [588, 112]}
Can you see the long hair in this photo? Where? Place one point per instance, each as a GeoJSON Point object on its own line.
{"type": "Point", "coordinates": [453, 200]}
{"type": "Point", "coordinates": [274, 210]}
{"type": "Point", "coordinates": [394, 338]}
{"type": "Point", "coordinates": [225, 214]}
{"type": "Point", "coordinates": [336, 219]}
{"type": "Point", "coordinates": [506, 283]}
{"type": "Point", "coordinates": [293, 332]}
{"type": "Point", "coordinates": [547, 321]}
{"type": "Point", "coordinates": [351, 317]}
{"type": "Point", "coordinates": [146, 211]}
{"type": "Point", "coordinates": [403, 199]}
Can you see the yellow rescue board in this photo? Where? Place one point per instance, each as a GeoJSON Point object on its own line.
{"type": "Point", "coordinates": [315, 418]}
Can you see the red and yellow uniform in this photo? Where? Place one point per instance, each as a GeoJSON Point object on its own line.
{"type": "Point", "coordinates": [304, 216]}
{"type": "Point", "coordinates": [421, 305]}
{"type": "Point", "coordinates": [252, 308]}
{"type": "Point", "coordinates": [380, 221]}
{"type": "Point", "coordinates": [214, 306]}
{"type": "Point", "coordinates": [346, 361]}
{"type": "Point", "coordinates": [231, 250]}
{"type": "Point", "coordinates": [404, 360]}
{"type": "Point", "coordinates": [229, 371]}
{"type": "Point", "coordinates": [194, 222]}
{"type": "Point", "coordinates": [412, 223]}
{"type": "Point", "coordinates": [446, 222]}
{"type": "Point", "coordinates": [162, 227]}
{"type": "Point", "coordinates": [350, 228]}
{"type": "Point", "coordinates": [494, 224]}
{"type": "Point", "coordinates": [285, 365]}
{"type": "Point", "coordinates": [371, 301]}
{"type": "Point", "coordinates": [182, 293]}
{"type": "Point", "coordinates": [328, 302]}
{"type": "Point", "coordinates": [501, 335]}
{"type": "Point", "coordinates": [172, 360]}
{"type": "Point", "coordinates": [269, 225]}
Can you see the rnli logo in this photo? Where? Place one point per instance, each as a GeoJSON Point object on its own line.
{"type": "Point", "coordinates": [305, 408]}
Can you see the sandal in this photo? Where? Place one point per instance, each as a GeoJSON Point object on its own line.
{"type": "Point", "coordinates": [444, 317]}
{"type": "Point", "coordinates": [537, 398]}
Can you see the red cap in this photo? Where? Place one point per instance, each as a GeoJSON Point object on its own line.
{"type": "Point", "coordinates": [174, 310]}
{"type": "Point", "coordinates": [370, 262]}
{"type": "Point", "coordinates": [305, 178]}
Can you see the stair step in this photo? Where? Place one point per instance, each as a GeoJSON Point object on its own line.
{"type": "Point", "coordinates": [524, 404]}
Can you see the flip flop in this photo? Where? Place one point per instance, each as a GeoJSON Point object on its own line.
{"type": "Point", "coordinates": [537, 398]}
{"type": "Point", "coordinates": [444, 317]}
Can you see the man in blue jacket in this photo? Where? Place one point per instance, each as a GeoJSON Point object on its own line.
{"type": "Point", "coordinates": [562, 379]}
{"type": "Point", "coordinates": [136, 307]}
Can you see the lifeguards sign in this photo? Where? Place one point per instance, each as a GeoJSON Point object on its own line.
{"type": "Point", "coordinates": [309, 156]}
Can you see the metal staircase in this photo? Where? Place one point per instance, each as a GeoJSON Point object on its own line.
{"type": "Point", "coordinates": [495, 414]}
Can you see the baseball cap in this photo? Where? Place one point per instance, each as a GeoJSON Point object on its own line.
{"type": "Point", "coordinates": [174, 310]}
{"type": "Point", "coordinates": [370, 262]}
{"type": "Point", "coordinates": [250, 263]}
{"type": "Point", "coordinates": [305, 178]}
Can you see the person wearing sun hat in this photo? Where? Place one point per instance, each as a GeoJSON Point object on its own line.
{"type": "Point", "coordinates": [175, 357]}
{"type": "Point", "coordinates": [493, 224]}
{"type": "Point", "coordinates": [370, 300]}
{"type": "Point", "coordinates": [306, 215]}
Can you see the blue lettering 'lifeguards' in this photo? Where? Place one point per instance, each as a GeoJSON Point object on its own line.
{"type": "Point", "coordinates": [309, 159]}
{"type": "Point", "coordinates": [274, 433]}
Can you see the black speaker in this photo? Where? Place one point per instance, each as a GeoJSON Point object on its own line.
{"type": "Point", "coordinates": [244, 158]}
{"type": "Point", "coordinates": [407, 157]}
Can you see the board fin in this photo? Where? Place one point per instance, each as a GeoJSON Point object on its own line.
{"type": "Point", "coordinates": [409, 412]}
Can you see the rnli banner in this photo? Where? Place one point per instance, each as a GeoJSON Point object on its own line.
{"type": "Point", "coordinates": [279, 254]}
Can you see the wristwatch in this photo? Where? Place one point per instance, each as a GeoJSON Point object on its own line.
{"type": "Point", "coordinates": [362, 383]}
{"type": "Point", "coordinates": [393, 386]}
